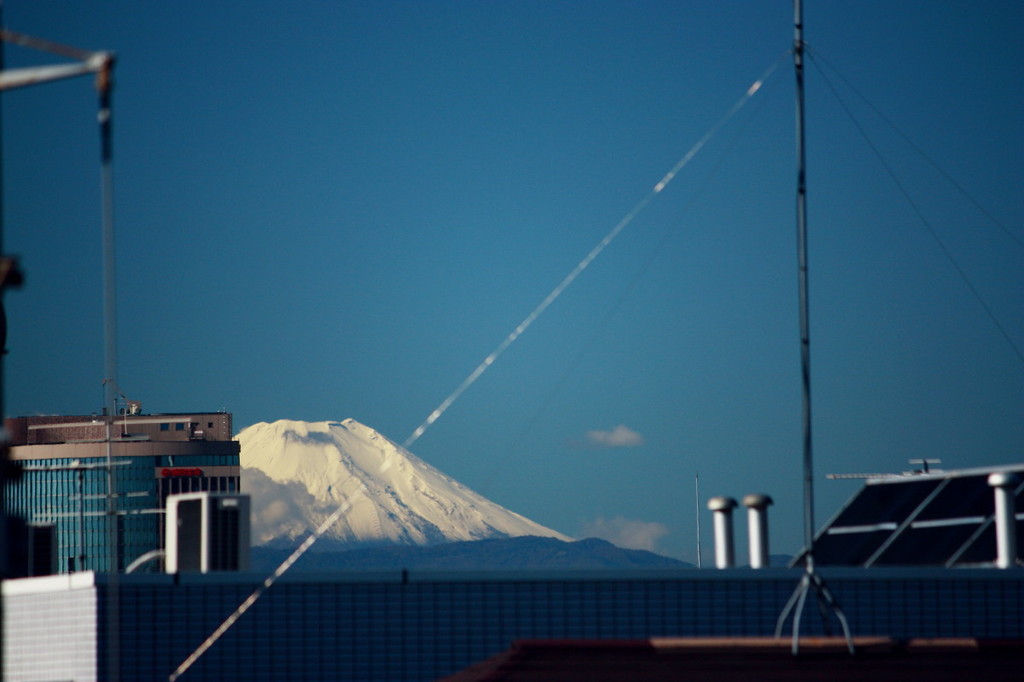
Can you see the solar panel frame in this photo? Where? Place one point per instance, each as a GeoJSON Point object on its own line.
{"type": "Point", "coordinates": [941, 518]}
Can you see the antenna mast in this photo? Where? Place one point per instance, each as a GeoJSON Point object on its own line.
{"type": "Point", "coordinates": [696, 499]}
{"type": "Point", "coordinates": [810, 579]}
{"type": "Point", "coordinates": [801, 248]}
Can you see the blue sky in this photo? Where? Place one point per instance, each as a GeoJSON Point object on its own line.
{"type": "Point", "coordinates": [335, 209]}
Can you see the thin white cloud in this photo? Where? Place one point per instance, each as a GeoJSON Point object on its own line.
{"type": "Point", "coordinates": [627, 533]}
{"type": "Point", "coordinates": [620, 437]}
{"type": "Point", "coordinates": [276, 507]}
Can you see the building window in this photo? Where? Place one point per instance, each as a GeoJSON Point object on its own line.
{"type": "Point", "coordinates": [165, 427]}
{"type": "Point", "coordinates": [180, 426]}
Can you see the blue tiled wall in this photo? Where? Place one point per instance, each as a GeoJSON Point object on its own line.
{"type": "Point", "coordinates": [426, 628]}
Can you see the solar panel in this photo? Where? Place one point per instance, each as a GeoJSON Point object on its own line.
{"type": "Point", "coordinates": [942, 518]}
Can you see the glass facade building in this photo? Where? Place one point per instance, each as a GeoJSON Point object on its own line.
{"type": "Point", "coordinates": [104, 516]}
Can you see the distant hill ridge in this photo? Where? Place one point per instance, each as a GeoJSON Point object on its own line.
{"type": "Point", "coordinates": [519, 553]}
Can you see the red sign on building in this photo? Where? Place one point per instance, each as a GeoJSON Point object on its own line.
{"type": "Point", "coordinates": [174, 473]}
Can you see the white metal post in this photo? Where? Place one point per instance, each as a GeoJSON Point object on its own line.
{"type": "Point", "coordinates": [1006, 518]}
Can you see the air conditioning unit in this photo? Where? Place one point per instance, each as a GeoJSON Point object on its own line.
{"type": "Point", "coordinates": [207, 532]}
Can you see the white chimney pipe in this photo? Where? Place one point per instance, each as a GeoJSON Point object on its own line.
{"type": "Point", "coordinates": [722, 508]}
{"type": "Point", "coordinates": [1006, 518]}
{"type": "Point", "coordinates": [757, 528]}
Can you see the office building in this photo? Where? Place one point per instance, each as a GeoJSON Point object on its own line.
{"type": "Point", "coordinates": [102, 484]}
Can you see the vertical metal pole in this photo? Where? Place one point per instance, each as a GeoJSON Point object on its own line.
{"type": "Point", "coordinates": [696, 499]}
{"type": "Point", "coordinates": [801, 238]}
{"type": "Point", "coordinates": [104, 84]}
{"type": "Point", "coordinates": [810, 580]}
{"type": "Point", "coordinates": [80, 560]}
{"type": "Point", "coordinates": [4, 452]}
{"type": "Point", "coordinates": [1004, 485]}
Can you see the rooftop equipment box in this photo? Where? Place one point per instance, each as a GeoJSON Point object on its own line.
{"type": "Point", "coordinates": [207, 532]}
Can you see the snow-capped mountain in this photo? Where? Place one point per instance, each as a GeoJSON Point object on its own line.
{"type": "Point", "coordinates": [299, 472]}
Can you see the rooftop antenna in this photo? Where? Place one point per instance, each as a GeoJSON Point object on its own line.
{"type": "Point", "coordinates": [811, 580]}
{"type": "Point", "coordinates": [925, 464]}
{"type": "Point", "coordinates": [4, 440]}
{"type": "Point", "coordinates": [101, 64]}
{"type": "Point", "coordinates": [696, 499]}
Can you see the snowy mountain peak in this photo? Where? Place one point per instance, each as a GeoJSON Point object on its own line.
{"type": "Point", "coordinates": [299, 472]}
